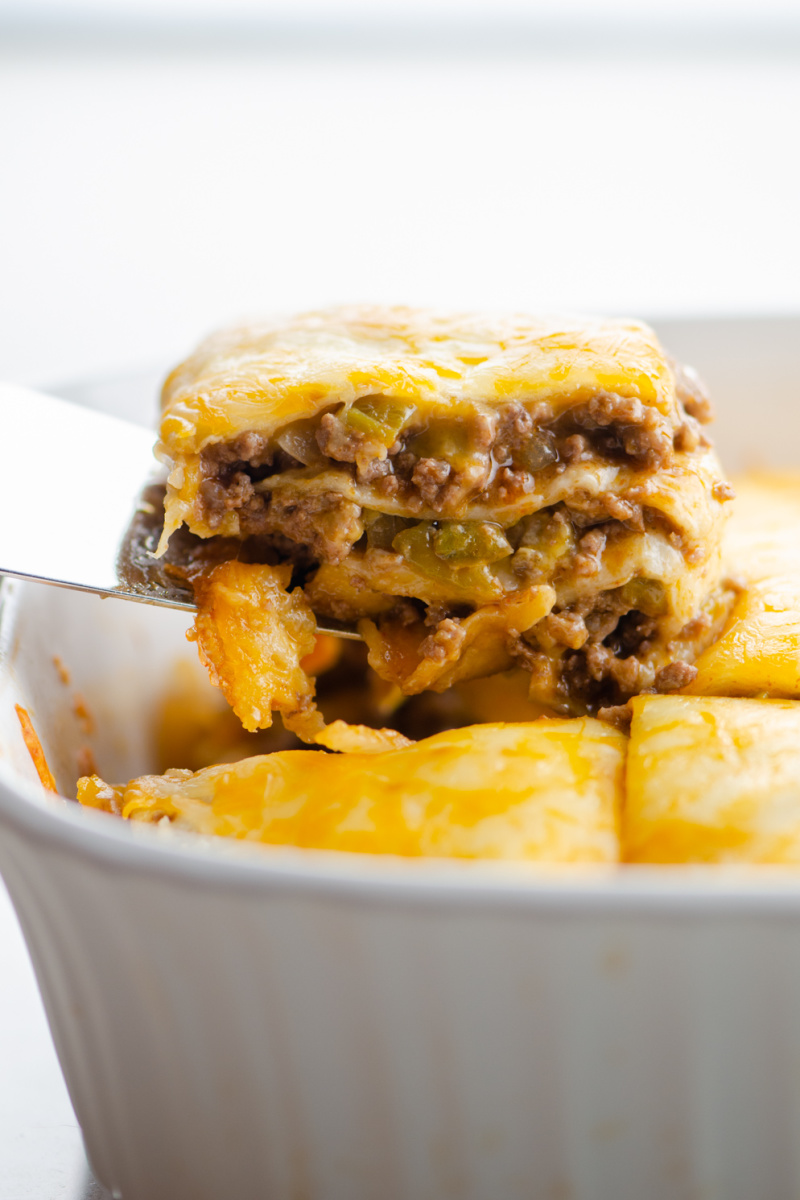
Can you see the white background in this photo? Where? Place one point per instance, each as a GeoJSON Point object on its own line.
{"type": "Point", "coordinates": [160, 176]}
{"type": "Point", "coordinates": [167, 165]}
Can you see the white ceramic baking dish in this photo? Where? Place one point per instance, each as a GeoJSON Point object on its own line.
{"type": "Point", "coordinates": [258, 1024]}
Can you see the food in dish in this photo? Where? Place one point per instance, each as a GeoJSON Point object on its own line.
{"type": "Point", "coordinates": [258, 641]}
{"type": "Point", "coordinates": [34, 748]}
{"type": "Point", "coordinates": [475, 492]}
{"type": "Point", "coordinates": [548, 791]}
{"type": "Point", "coordinates": [283, 468]}
{"type": "Point", "coordinates": [759, 651]}
{"type": "Point", "coordinates": [697, 780]}
{"type": "Point", "coordinates": [713, 780]}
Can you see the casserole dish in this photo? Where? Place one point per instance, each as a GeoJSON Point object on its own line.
{"type": "Point", "coordinates": [283, 1023]}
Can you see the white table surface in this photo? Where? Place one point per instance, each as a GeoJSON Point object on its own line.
{"type": "Point", "coordinates": [146, 198]}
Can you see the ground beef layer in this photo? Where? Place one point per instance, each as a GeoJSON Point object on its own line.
{"type": "Point", "coordinates": [488, 458]}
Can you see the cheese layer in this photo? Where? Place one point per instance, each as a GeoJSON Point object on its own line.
{"type": "Point", "coordinates": [548, 791]}
{"type": "Point", "coordinates": [262, 376]}
{"type": "Point", "coordinates": [713, 780]}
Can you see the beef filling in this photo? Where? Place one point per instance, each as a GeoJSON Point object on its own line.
{"type": "Point", "coordinates": [491, 457]}
{"type": "Point", "coordinates": [324, 522]}
{"type": "Point", "coordinates": [594, 648]}
{"type": "Point", "coordinates": [598, 653]}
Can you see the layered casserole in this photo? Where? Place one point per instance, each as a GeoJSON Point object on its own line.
{"type": "Point", "coordinates": [525, 522]}
{"type": "Point", "coordinates": [472, 493]}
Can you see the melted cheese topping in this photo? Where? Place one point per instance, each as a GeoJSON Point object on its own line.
{"type": "Point", "coordinates": [759, 652]}
{"type": "Point", "coordinates": [713, 780]}
{"type": "Point", "coordinates": [548, 791]}
{"type": "Point", "coordinates": [262, 376]}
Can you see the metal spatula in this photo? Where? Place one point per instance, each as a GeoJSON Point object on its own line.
{"type": "Point", "coordinates": [75, 508]}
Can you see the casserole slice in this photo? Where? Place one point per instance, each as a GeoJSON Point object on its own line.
{"type": "Point", "coordinates": [477, 492]}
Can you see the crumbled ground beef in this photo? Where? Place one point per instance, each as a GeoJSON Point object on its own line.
{"type": "Point", "coordinates": [622, 509]}
{"type": "Point", "coordinates": [575, 448]}
{"type": "Point", "coordinates": [633, 633]}
{"type": "Point", "coordinates": [420, 481]}
{"type": "Point", "coordinates": [248, 448]}
{"type": "Point", "coordinates": [602, 614]}
{"type": "Point", "coordinates": [483, 430]}
{"type": "Point", "coordinates": [625, 673]}
{"type": "Point", "coordinates": [614, 424]}
{"type": "Point", "coordinates": [511, 484]}
{"type": "Point", "coordinates": [648, 442]}
{"type": "Point", "coordinates": [543, 668]}
{"type": "Point", "coordinates": [594, 658]}
{"type": "Point", "coordinates": [607, 408]}
{"type": "Point", "coordinates": [515, 441]}
{"type": "Point", "coordinates": [325, 523]}
{"type": "Point", "coordinates": [590, 548]}
{"type": "Point", "coordinates": [696, 627]}
{"type": "Point", "coordinates": [675, 675]}
{"type": "Point", "coordinates": [592, 510]}
{"type": "Point", "coordinates": [688, 437]}
{"type": "Point", "coordinates": [514, 427]}
{"type": "Point", "coordinates": [562, 629]}
{"type": "Point", "coordinates": [253, 515]}
{"type": "Point", "coordinates": [370, 470]}
{"type": "Point", "coordinates": [603, 664]}
{"type": "Point", "coordinates": [444, 645]}
{"type": "Point", "coordinates": [575, 678]}
{"type": "Point", "coordinates": [722, 491]}
{"type": "Point", "coordinates": [692, 394]}
{"type": "Point", "coordinates": [253, 448]}
{"type": "Point", "coordinates": [429, 476]}
{"type": "Point", "coordinates": [341, 443]}
{"type": "Point", "coordinates": [596, 652]}
{"type": "Point", "coordinates": [405, 611]}
{"type": "Point", "coordinates": [370, 457]}
{"type": "Point", "coordinates": [598, 660]}
{"type": "Point", "coordinates": [435, 613]}
{"type": "Point", "coordinates": [618, 715]}
{"type": "Point", "coordinates": [523, 440]}
{"type": "Point", "coordinates": [219, 500]}
{"type": "Point", "coordinates": [387, 486]}
{"type": "Point", "coordinates": [596, 675]}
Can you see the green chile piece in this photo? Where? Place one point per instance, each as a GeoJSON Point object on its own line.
{"type": "Point", "coordinates": [378, 417]}
{"type": "Point", "coordinates": [539, 451]}
{"type": "Point", "coordinates": [383, 528]}
{"type": "Point", "coordinates": [445, 440]}
{"type": "Point", "coordinates": [416, 545]}
{"type": "Point", "coordinates": [467, 542]}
